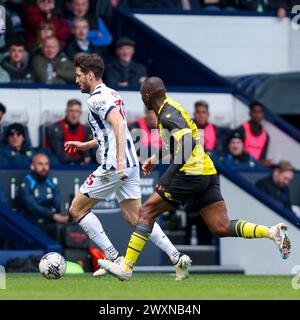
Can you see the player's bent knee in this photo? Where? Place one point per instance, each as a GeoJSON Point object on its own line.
{"type": "Point", "coordinates": [73, 212]}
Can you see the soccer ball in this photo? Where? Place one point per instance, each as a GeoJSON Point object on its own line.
{"type": "Point", "coordinates": [52, 265]}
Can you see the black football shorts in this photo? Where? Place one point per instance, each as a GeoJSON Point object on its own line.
{"type": "Point", "coordinates": [198, 191]}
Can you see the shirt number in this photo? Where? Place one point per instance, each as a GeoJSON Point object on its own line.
{"type": "Point", "coordinates": [90, 180]}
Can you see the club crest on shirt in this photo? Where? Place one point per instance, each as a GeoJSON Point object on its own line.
{"type": "Point", "coordinates": [99, 105]}
{"type": "Point", "coordinates": [104, 179]}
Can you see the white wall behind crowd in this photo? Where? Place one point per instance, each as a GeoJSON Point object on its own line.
{"type": "Point", "coordinates": [30, 106]}
{"type": "Point", "coordinates": [232, 45]}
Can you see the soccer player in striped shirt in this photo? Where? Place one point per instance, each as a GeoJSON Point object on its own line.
{"type": "Point", "coordinates": [118, 171]}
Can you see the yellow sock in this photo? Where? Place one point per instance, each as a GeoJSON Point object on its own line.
{"type": "Point", "coordinates": [245, 229]}
{"type": "Point", "coordinates": [135, 246]}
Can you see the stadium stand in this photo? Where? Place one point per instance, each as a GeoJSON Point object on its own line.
{"type": "Point", "coordinates": [190, 77]}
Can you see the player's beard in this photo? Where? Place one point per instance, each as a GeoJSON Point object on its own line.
{"type": "Point", "coordinates": [85, 87]}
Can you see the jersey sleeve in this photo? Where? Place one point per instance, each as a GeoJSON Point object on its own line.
{"type": "Point", "coordinates": [102, 106]}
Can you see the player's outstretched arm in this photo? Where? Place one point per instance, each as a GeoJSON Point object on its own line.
{"type": "Point", "coordinates": [80, 146]}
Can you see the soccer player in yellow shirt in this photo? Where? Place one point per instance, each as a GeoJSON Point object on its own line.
{"type": "Point", "coordinates": [191, 177]}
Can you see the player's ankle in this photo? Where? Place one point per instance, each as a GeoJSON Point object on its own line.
{"type": "Point", "coordinates": [270, 233]}
{"type": "Point", "coordinates": [126, 266]}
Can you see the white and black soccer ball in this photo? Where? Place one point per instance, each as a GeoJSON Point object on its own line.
{"type": "Point", "coordinates": [52, 265]}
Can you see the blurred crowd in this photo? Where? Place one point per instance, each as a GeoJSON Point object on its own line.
{"type": "Point", "coordinates": [42, 37]}
{"type": "Point", "coordinates": [244, 148]}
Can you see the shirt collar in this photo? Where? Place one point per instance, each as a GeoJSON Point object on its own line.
{"type": "Point", "coordinates": [99, 86]}
{"type": "Point", "coordinates": [160, 108]}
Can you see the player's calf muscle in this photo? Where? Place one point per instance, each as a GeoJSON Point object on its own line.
{"type": "Point", "coordinates": [130, 210]}
{"type": "Point", "coordinates": [76, 213]}
{"type": "Point", "coordinates": [152, 208]}
{"type": "Point", "coordinates": [216, 218]}
{"type": "Point", "coordinates": [222, 229]}
{"type": "Point", "coordinates": [81, 205]}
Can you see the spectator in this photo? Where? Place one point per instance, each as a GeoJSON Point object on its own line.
{"type": "Point", "coordinates": [78, 41]}
{"type": "Point", "coordinates": [44, 10]}
{"type": "Point", "coordinates": [276, 185]}
{"type": "Point", "coordinates": [256, 138]}
{"type": "Point", "coordinates": [51, 65]}
{"type": "Point", "coordinates": [68, 129]}
{"type": "Point", "coordinates": [98, 34]}
{"type": "Point", "coordinates": [16, 64]}
{"type": "Point", "coordinates": [124, 71]}
{"type": "Point", "coordinates": [39, 196]}
{"type": "Point", "coordinates": [201, 119]}
{"type": "Point", "coordinates": [45, 30]}
{"type": "Point", "coordinates": [16, 152]}
{"type": "Point", "coordinates": [2, 113]}
{"type": "Point", "coordinates": [145, 133]}
{"type": "Point", "coordinates": [235, 156]}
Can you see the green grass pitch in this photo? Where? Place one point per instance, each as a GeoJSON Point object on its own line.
{"type": "Point", "coordinates": [149, 286]}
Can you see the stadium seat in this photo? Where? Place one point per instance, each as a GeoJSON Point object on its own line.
{"type": "Point", "coordinates": [223, 123]}
{"type": "Point", "coordinates": [48, 117]}
{"type": "Point", "coordinates": [221, 119]}
{"type": "Point", "coordinates": [16, 115]}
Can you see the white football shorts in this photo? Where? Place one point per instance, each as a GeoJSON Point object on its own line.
{"type": "Point", "coordinates": [102, 186]}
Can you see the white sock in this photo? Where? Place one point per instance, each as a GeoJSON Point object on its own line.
{"type": "Point", "coordinates": [93, 228]}
{"type": "Point", "coordinates": [159, 238]}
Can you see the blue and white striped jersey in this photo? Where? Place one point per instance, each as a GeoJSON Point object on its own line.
{"type": "Point", "coordinates": [100, 103]}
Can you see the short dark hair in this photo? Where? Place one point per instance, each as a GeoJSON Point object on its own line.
{"type": "Point", "coordinates": [90, 62]}
{"type": "Point", "coordinates": [235, 134]}
{"type": "Point", "coordinates": [2, 108]}
{"type": "Point", "coordinates": [254, 104]}
{"type": "Point", "coordinates": [201, 103]}
{"type": "Point", "coordinates": [71, 103]}
{"type": "Point", "coordinates": [16, 43]}
{"type": "Point", "coordinates": [15, 127]}
{"type": "Point", "coordinates": [283, 166]}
